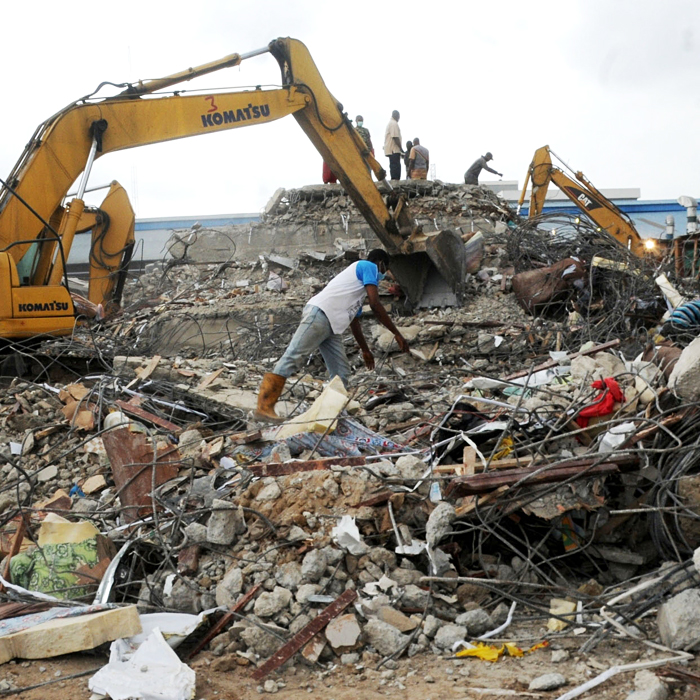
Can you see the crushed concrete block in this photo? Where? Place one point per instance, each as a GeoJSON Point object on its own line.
{"type": "Point", "coordinates": [313, 650]}
{"type": "Point", "coordinates": [394, 617]}
{"type": "Point", "coordinates": [560, 655]}
{"type": "Point", "coordinates": [190, 443]}
{"type": "Point", "coordinates": [47, 473]}
{"type": "Point", "coordinates": [439, 523]}
{"type": "Point", "coordinates": [648, 686]}
{"type": "Point", "coordinates": [343, 633]}
{"type": "Point", "coordinates": [448, 635]}
{"type": "Point", "coordinates": [230, 587]}
{"type": "Point", "coordinates": [410, 467]}
{"type": "Point", "coordinates": [289, 263]}
{"type": "Point", "coordinates": [415, 597]}
{"type": "Point", "coordinates": [383, 557]}
{"type": "Point", "coordinates": [500, 614]}
{"type": "Point", "coordinates": [386, 341]}
{"type": "Point", "coordinates": [222, 525]}
{"type": "Point", "coordinates": [183, 597]}
{"type": "Point", "coordinates": [196, 533]}
{"type": "Point", "coordinates": [685, 378]}
{"type": "Point", "coordinates": [385, 638]}
{"type": "Point", "coordinates": [269, 492]}
{"type": "Point", "coordinates": [476, 621]}
{"type": "Point", "coordinates": [549, 681]}
{"type": "Point", "coordinates": [404, 577]}
{"type": "Point", "coordinates": [289, 575]}
{"type": "Point", "coordinates": [269, 603]}
{"type": "Point", "coordinates": [679, 621]}
{"type": "Point", "coordinates": [274, 201]}
{"type": "Point", "coordinates": [431, 625]}
{"type": "Point", "coordinates": [305, 591]}
{"type": "Point", "coordinates": [314, 565]}
{"type": "Point", "coordinates": [261, 641]}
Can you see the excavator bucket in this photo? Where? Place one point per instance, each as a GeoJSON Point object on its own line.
{"type": "Point", "coordinates": [435, 274]}
{"type": "Point", "coordinates": [446, 250]}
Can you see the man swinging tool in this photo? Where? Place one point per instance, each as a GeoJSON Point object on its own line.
{"type": "Point", "coordinates": [324, 319]}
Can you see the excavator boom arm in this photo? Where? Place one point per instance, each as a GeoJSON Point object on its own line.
{"type": "Point", "coordinates": [584, 195]}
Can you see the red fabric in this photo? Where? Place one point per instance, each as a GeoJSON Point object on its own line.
{"type": "Point", "coordinates": [329, 177]}
{"type": "Point", "coordinates": [603, 404]}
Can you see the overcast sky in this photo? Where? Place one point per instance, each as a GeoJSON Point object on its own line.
{"type": "Point", "coordinates": [611, 85]}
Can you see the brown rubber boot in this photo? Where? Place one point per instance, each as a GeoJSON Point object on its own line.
{"type": "Point", "coordinates": [270, 390]}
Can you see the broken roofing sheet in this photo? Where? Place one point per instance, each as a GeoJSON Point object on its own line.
{"type": "Point", "coordinates": [547, 462]}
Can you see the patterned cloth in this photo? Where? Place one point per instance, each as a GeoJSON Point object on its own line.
{"type": "Point", "coordinates": [349, 439]}
{"type": "Point", "coordinates": [53, 568]}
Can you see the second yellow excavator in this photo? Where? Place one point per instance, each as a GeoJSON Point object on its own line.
{"type": "Point", "coordinates": [586, 197]}
{"type": "Point", "coordinates": [37, 228]}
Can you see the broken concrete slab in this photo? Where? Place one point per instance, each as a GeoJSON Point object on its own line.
{"type": "Point", "coordinates": [385, 638]}
{"type": "Point", "coordinates": [679, 621]}
{"type": "Point", "coordinates": [343, 633]}
{"type": "Point", "coordinates": [225, 522]}
{"type": "Point", "coordinates": [685, 377]}
{"type": "Point", "coordinates": [71, 634]}
{"type": "Point", "coordinates": [394, 617]}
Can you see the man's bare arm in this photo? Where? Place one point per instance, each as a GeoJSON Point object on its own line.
{"type": "Point", "coordinates": [383, 317]}
{"type": "Point", "coordinates": [367, 356]}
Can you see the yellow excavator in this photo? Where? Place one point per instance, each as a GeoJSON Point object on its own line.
{"type": "Point", "coordinates": [586, 197]}
{"type": "Point", "coordinates": [37, 225]}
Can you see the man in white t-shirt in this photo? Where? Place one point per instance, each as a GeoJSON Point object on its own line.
{"type": "Point", "coordinates": [392, 145]}
{"type": "Point", "coordinates": [325, 318]}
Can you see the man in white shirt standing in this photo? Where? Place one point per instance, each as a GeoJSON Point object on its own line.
{"type": "Point", "coordinates": [325, 318]}
{"type": "Point", "coordinates": [392, 146]}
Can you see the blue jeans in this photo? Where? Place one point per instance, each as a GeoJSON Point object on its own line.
{"type": "Point", "coordinates": [315, 332]}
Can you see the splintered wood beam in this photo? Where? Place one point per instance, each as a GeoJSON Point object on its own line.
{"type": "Point", "coordinates": [488, 481]}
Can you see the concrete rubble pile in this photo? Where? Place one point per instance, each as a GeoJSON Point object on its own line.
{"type": "Point", "coordinates": [502, 482]}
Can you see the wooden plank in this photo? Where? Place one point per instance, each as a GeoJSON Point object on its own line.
{"type": "Point", "coordinates": [282, 468]}
{"type": "Point", "coordinates": [471, 502]}
{"type": "Point", "coordinates": [245, 437]}
{"type": "Point", "coordinates": [505, 463]}
{"type": "Point", "coordinates": [468, 466]}
{"type": "Point", "coordinates": [305, 634]}
{"type": "Point", "coordinates": [488, 481]}
{"type": "Point", "coordinates": [212, 376]}
{"type": "Point", "coordinates": [70, 634]}
{"type": "Point", "coordinates": [148, 417]}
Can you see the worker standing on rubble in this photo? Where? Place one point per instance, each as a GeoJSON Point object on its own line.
{"type": "Point", "coordinates": [324, 319]}
{"type": "Point", "coordinates": [418, 161]}
{"type": "Point", "coordinates": [364, 132]}
{"type": "Point", "coordinates": [471, 177]}
{"type": "Point", "coordinates": [392, 146]}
